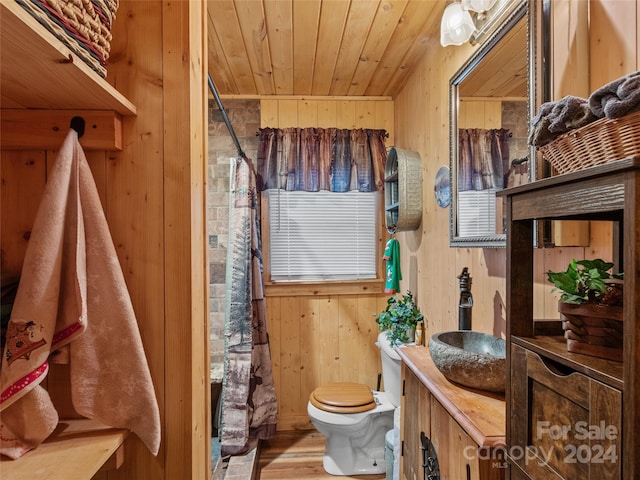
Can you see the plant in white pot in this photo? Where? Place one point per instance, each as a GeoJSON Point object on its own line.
{"type": "Point", "coordinates": [399, 319]}
{"type": "Point", "coordinates": [591, 307]}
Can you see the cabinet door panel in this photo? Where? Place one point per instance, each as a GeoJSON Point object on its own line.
{"type": "Point", "coordinates": [415, 419]}
{"type": "Point", "coordinates": [573, 423]}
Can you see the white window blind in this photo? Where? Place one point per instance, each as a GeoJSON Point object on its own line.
{"type": "Point", "coordinates": [322, 235]}
{"type": "Point", "coordinates": [477, 212]}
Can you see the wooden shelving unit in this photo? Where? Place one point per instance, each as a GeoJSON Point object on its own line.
{"type": "Point", "coordinates": [37, 72]}
{"type": "Point", "coordinates": [42, 85]}
{"type": "Point", "coordinates": [78, 448]}
{"type": "Point", "coordinates": [547, 382]}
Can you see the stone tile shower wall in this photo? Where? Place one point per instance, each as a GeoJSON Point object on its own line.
{"type": "Point", "coordinates": [245, 119]}
{"type": "Point", "coordinates": [515, 118]}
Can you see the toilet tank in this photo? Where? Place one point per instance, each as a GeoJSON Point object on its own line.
{"type": "Point", "coordinates": [390, 369]}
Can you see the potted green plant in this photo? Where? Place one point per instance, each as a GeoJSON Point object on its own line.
{"type": "Point", "coordinates": [399, 319]}
{"type": "Point", "coordinates": [591, 307]}
{"type": "Point", "coordinates": [588, 281]}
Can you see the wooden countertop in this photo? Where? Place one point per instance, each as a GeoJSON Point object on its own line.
{"type": "Point", "coordinates": [77, 449]}
{"type": "Point", "coordinates": [481, 414]}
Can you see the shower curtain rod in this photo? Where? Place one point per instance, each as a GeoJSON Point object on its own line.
{"type": "Point", "coordinates": [226, 118]}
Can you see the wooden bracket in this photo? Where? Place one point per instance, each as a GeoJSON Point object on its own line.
{"type": "Point", "coordinates": [27, 129]}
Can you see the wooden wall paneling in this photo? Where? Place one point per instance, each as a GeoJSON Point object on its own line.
{"type": "Point", "coordinates": [570, 47]}
{"type": "Point", "coordinates": [310, 364]}
{"type": "Point", "coordinates": [384, 22]}
{"type": "Point", "coordinates": [355, 35]}
{"type": "Point", "coordinates": [383, 118]}
{"type": "Point", "coordinates": [613, 46]}
{"type": "Point", "coordinates": [327, 116]}
{"type": "Point", "coordinates": [155, 206]}
{"type": "Point", "coordinates": [40, 129]}
{"type": "Point", "coordinates": [325, 61]}
{"type": "Point", "coordinates": [613, 52]}
{"type": "Point", "coordinates": [304, 46]}
{"type": "Point", "coordinates": [346, 114]}
{"type": "Point", "coordinates": [347, 334]}
{"type": "Point", "coordinates": [250, 17]}
{"type": "Point", "coordinates": [135, 205]}
{"type": "Point", "coordinates": [279, 18]}
{"type": "Point", "coordinates": [290, 395]}
{"type": "Point", "coordinates": [268, 112]}
{"type": "Point", "coordinates": [287, 114]}
{"type": "Point", "coordinates": [327, 347]}
{"type": "Point", "coordinates": [365, 113]}
{"type": "Point", "coordinates": [22, 178]}
{"type": "Point", "coordinates": [307, 113]}
{"type": "Point", "coordinates": [367, 329]}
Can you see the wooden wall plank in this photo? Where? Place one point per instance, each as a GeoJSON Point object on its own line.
{"type": "Point", "coordinates": [387, 17]}
{"type": "Point", "coordinates": [42, 129]}
{"type": "Point", "coordinates": [346, 112]}
{"type": "Point", "coordinates": [250, 17]}
{"type": "Point", "coordinates": [287, 114]}
{"type": "Point", "coordinates": [332, 15]}
{"type": "Point", "coordinates": [307, 113]}
{"type": "Point", "coordinates": [327, 115]}
{"type": "Point", "coordinates": [268, 113]}
{"type": "Point", "coordinates": [279, 19]}
{"type": "Point", "coordinates": [22, 178]}
{"type": "Point", "coordinates": [304, 45]}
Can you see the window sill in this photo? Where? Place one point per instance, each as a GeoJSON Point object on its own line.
{"type": "Point", "coordinates": [300, 289]}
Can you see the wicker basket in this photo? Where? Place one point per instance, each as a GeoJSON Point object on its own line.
{"type": "Point", "coordinates": [84, 26]}
{"type": "Point", "coordinates": [602, 141]}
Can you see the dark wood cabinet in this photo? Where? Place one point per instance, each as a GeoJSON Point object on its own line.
{"type": "Point", "coordinates": [447, 432]}
{"type": "Point", "coordinates": [571, 415]}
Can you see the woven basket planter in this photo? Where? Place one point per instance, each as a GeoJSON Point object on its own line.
{"type": "Point", "coordinates": [602, 141]}
{"type": "Point", "coordinates": [84, 26]}
{"type": "Point", "coordinates": [595, 330]}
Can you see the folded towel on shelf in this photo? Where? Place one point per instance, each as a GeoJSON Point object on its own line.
{"type": "Point", "coordinates": [72, 305]}
{"type": "Point", "coordinates": [558, 117]}
{"type": "Point", "coordinates": [617, 98]}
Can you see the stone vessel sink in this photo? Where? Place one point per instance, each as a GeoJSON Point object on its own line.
{"type": "Point", "coordinates": [469, 358]}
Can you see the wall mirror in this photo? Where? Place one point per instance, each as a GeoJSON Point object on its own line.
{"type": "Point", "coordinates": [491, 100]}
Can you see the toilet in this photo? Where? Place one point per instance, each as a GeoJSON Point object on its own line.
{"type": "Point", "coordinates": [355, 419]}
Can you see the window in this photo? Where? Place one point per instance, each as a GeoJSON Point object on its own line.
{"type": "Point", "coordinates": [321, 235]}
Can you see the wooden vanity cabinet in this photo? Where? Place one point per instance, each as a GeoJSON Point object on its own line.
{"type": "Point", "coordinates": [582, 410]}
{"type": "Point", "coordinates": [441, 420]}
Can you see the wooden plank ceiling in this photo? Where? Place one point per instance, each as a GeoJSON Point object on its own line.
{"type": "Point", "coordinates": [318, 47]}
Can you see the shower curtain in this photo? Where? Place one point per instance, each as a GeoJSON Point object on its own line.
{"type": "Point", "coordinates": [249, 407]}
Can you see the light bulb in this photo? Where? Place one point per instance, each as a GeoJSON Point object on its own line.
{"type": "Point", "coordinates": [457, 25]}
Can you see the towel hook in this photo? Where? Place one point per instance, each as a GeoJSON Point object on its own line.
{"type": "Point", "coordinates": [77, 123]}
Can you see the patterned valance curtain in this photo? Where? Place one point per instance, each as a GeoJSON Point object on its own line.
{"type": "Point", "coordinates": [483, 162]}
{"type": "Point", "coordinates": [313, 159]}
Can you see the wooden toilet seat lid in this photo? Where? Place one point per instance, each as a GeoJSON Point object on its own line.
{"type": "Point", "coordinates": [343, 398]}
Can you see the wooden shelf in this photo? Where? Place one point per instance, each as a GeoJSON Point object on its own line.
{"type": "Point", "coordinates": [77, 449]}
{"type": "Point", "coordinates": [555, 348]}
{"type": "Point", "coordinates": [48, 80]}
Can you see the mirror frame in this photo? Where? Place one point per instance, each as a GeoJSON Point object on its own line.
{"type": "Point", "coordinates": [511, 14]}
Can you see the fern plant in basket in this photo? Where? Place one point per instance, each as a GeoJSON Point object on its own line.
{"type": "Point", "coordinates": [591, 307]}
{"type": "Point", "coordinates": [399, 319]}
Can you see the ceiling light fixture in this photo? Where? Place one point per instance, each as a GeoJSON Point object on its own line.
{"type": "Point", "coordinates": [457, 25]}
{"type": "Point", "coordinates": [479, 6]}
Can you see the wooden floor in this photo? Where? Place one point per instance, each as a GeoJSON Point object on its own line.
{"type": "Point", "coordinates": [297, 455]}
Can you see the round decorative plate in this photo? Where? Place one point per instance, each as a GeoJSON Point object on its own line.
{"type": "Point", "coordinates": [442, 187]}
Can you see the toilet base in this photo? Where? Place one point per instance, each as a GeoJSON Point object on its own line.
{"type": "Point", "coordinates": [374, 465]}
